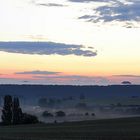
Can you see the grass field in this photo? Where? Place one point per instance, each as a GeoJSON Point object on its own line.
{"type": "Point", "coordinates": [111, 129]}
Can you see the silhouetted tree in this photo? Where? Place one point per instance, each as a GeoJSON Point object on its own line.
{"type": "Point", "coordinates": [7, 110]}
{"type": "Point", "coordinates": [17, 112]}
{"type": "Point", "coordinates": [12, 113]}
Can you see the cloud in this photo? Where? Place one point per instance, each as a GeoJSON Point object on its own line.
{"type": "Point", "coordinates": [36, 37]}
{"type": "Point", "coordinates": [59, 78]}
{"type": "Point", "coordinates": [89, 1]}
{"type": "Point", "coordinates": [38, 72]}
{"type": "Point", "coordinates": [14, 81]}
{"type": "Point", "coordinates": [51, 77]}
{"type": "Point", "coordinates": [44, 3]}
{"type": "Point", "coordinates": [126, 83]}
{"type": "Point", "coordinates": [46, 48]}
{"type": "Point", "coordinates": [80, 0]}
{"type": "Point", "coordinates": [75, 79]}
{"type": "Point", "coordinates": [129, 76]}
{"type": "Point", "coordinates": [120, 12]}
{"type": "Point", "coordinates": [50, 4]}
{"type": "Point", "coordinates": [25, 81]}
{"type": "Point", "coordinates": [126, 12]}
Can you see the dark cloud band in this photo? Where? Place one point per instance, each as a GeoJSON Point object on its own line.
{"type": "Point", "coordinates": [45, 48]}
{"type": "Point", "coordinates": [128, 76]}
{"type": "Point", "coordinates": [127, 12]}
{"type": "Point", "coordinates": [38, 72]}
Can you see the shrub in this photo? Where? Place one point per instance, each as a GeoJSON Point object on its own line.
{"type": "Point", "coordinates": [47, 114]}
{"type": "Point", "coordinates": [60, 114]}
{"type": "Point", "coordinates": [29, 119]}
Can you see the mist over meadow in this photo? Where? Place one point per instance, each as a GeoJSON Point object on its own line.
{"type": "Point", "coordinates": [76, 103]}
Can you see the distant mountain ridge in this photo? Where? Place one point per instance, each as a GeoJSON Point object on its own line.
{"type": "Point", "coordinates": [33, 91]}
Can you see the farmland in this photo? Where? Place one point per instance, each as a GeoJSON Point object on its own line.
{"type": "Point", "coordinates": [107, 129]}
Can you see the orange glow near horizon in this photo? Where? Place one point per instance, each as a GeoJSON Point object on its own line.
{"type": "Point", "coordinates": [67, 65]}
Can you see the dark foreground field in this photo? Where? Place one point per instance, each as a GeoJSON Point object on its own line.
{"type": "Point", "coordinates": [113, 129]}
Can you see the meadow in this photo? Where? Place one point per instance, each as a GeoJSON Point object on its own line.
{"type": "Point", "coordinates": [107, 129]}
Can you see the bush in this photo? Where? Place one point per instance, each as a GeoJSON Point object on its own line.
{"type": "Point", "coordinates": [86, 114]}
{"type": "Point", "coordinates": [60, 114]}
{"type": "Point", "coordinates": [92, 114]}
{"type": "Point", "coordinates": [29, 119]}
{"type": "Point", "coordinates": [47, 114]}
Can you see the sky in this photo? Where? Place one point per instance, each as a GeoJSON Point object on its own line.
{"type": "Point", "coordinates": [69, 42]}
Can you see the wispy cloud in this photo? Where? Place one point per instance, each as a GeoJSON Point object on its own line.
{"type": "Point", "coordinates": [80, 0]}
{"type": "Point", "coordinates": [15, 81]}
{"type": "Point", "coordinates": [45, 3]}
{"type": "Point", "coordinates": [46, 48]}
{"type": "Point", "coordinates": [76, 79]}
{"type": "Point", "coordinates": [38, 72]}
{"type": "Point", "coordinates": [50, 4]}
{"type": "Point", "coordinates": [60, 78]}
{"type": "Point", "coordinates": [89, 1]}
{"type": "Point", "coordinates": [52, 77]}
{"type": "Point", "coordinates": [128, 76]}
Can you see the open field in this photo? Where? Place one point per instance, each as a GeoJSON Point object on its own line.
{"type": "Point", "coordinates": [111, 129]}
